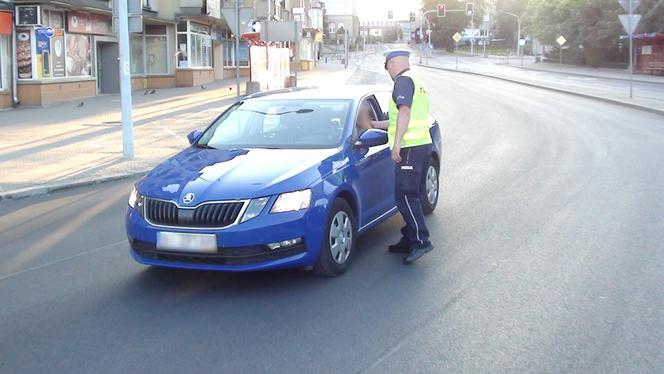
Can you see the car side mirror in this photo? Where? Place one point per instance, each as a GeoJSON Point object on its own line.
{"type": "Point", "coordinates": [372, 138]}
{"type": "Point", "coordinates": [194, 135]}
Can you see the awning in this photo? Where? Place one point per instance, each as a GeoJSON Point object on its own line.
{"type": "Point", "coordinates": [6, 23]}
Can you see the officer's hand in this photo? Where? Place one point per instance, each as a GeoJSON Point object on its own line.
{"type": "Point", "coordinates": [396, 154]}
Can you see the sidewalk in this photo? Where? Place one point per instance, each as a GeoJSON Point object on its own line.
{"type": "Point", "coordinates": [602, 84]}
{"type": "Point", "coordinates": [46, 149]}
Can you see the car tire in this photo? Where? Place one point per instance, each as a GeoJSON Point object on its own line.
{"type": "Point", "coordinates": [338, 242]}
{"type": "Point", "coordinates": [430, 186]}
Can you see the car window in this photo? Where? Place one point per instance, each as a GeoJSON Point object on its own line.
{"type": "Point", "coordinates": [384, 98]}
{"type": "Point", "coordinates": [280, 124]}
{"type": "Point", "coordinates": [365, 114]}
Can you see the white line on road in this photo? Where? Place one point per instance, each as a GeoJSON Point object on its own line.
{"type": "Point", "coordinates": [62, 259]}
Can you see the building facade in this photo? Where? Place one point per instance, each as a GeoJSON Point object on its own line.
{"type": "Point", "coordinates": [64, 50]}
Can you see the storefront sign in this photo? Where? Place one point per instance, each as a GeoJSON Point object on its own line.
{"type": "Point", "coordinates": [43, 48]}
{"type": "Point", "coordinates": [27, 15]}
{"type": "Point", "coordinates": [5, 23]}
{"type": "Point", "coordinates": [24, 54]}
{"type": "Point", "coordinates": [58, 53]}
{"type": "Point", "coordinates": [78, 22]}
{"type": "Point", "coordinates": [100, 24]}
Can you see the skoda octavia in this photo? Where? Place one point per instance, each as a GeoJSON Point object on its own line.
{"type": "Point", "coordinates": [279, 180]}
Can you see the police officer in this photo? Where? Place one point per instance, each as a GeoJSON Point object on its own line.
{"type": "Point", "coordinates": [410, 140]}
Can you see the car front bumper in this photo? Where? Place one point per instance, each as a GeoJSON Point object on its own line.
{"type": "Point", "coordinates": [242, 247]}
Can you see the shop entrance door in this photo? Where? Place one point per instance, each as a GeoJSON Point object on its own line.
{"type": "Point", "coordinates": [108, 69]}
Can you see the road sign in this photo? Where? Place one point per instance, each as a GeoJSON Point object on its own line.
{"type": "Point", "coordinates": [624, 19]}
{"type": "Point", "coordinates": [456, 37]}
{"type": "Point", "coordinates": [625, 4]}
{"type": "Point", "coordinates": [522, 42]}
{"type": "Point", "coordinates": [561, 40]}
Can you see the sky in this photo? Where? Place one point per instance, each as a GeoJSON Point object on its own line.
{"type": "Point", "coordinates": [376, 10]}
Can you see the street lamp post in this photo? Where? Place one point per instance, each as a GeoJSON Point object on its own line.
{"type": "Point", "coordinates": [518, 31]}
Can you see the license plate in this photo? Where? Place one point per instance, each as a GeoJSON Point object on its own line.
{"type": "Point", "coordinates": [184, 242]}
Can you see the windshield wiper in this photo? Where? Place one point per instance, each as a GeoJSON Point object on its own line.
{"type": "Point", "coordinates": [204, 146]}
{"type": "Point", "coordinates": [299, 111]}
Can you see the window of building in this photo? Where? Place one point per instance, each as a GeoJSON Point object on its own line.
{"type": "Point", "coordinates": [229, 53]}
{"type": "Point", "coordinates": [150, 51]}
{"type": "Point", "coordinates": [194, 45]}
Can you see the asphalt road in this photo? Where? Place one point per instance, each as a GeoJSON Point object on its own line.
{"type": "Point", "coordinates": [549, 258]}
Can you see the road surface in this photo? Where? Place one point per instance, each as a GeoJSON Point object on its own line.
{"type": "Point", "coordinates": [548, 258]}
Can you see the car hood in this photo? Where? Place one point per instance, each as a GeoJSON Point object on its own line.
{"type": "Point", "coordinates": [213, 174]}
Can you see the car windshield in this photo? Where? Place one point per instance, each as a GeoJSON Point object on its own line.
{"type": "Point", "coordinates": [279, 124]}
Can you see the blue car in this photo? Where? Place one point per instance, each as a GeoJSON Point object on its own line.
{"type": "Point", "coordinates": [284, 179]}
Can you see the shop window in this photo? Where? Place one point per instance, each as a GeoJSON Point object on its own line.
{"type": "Point", "coordinates": [157, 55]}
{"type": "Point", "coordinates": [229, 53]}
{"type": "Point", "coordinates": [137, 57]}
{"type": "Point", "coordinates": [194, 45]}
{"type": "Point", "coordinates": [78, 57]}
{"type": "Point", "coordinates": [149, 51]}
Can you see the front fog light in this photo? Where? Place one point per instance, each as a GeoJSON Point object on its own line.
{"type": "Point", "coordinates": [255, 208]}
{"type": "Point", "coordinates": [284, 244]}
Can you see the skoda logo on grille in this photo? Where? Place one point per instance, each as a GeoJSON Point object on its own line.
{"type": "Point", "coordinates": [188, 198]}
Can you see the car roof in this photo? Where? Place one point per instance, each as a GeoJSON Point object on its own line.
{"type": "Point", "coordinates": [352, 92]}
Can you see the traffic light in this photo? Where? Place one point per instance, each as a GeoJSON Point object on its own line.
{"type": "Point", "coordinates": [417, 35]}
{"type": "Point", "coordinates": [470, 7]}
{"type": "Point", "coordinates": [390, 14]}
{"type": "Point", "coordinates": [441, 10]}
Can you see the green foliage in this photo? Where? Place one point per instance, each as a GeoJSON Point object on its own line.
{"type": "Point", "coordinates": [591, 27]}
{"type": "Point", "coordinates": [505, 25]}
{"type": "Point", "coordinates": [453, 22]}
{"type": "Point", "coordinates": [653, 16]}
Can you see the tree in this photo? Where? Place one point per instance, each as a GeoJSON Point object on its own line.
{"type": "Point", "coordinates": [505, 26]}
{"type": "Point", "coordinates": [453, 22]}
{"type": "Point", "coordinates": [653, 16]}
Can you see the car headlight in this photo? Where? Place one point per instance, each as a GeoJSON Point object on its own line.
{"type": "Point", "coordinates": [292, 201]}
{"type": "Point", "coordinates": [135, 199]}
{"type": "Point", "coordinates": [255, 208]}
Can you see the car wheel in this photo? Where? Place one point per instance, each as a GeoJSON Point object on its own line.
{"type": "Point", "coordinates": [339, 241]}
{"type": "Point", "coordinates": [430, 187]}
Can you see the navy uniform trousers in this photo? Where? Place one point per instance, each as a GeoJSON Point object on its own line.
{"type": "Point", "coordinates": [408, 189]}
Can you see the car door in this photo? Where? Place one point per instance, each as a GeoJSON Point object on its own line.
{"type": "Point", "coordinates": [375, 175]}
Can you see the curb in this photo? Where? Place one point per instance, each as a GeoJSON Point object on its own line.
{"type": "Point", "coordinates": [46, 189]}
{"type": "Point", "coordinates": [559, 90]}
{"type": "Point", "coordinates": [585, 75]}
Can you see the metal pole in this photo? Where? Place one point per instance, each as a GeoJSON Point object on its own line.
{"type": "Point", "coordinates": [631, 51]}
{"type": "Point", "coordinates": [297, 53]}
{"type": "Point", "coordinates": [125, 81]}
{"type": "Point", "coordinates": [345, 48]}
{"type": "Point", "coordinates": [518, 36]}
{"type": "Point", "coordinates": [421, 36]}
{"type": "Point", "coordinates": [456, 45]}
{"type": "Point", "coordinates": [16, 101]}
{"type": "Point", "coordinates": [237, 49]}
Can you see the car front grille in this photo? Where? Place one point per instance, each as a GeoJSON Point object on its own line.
{"type": "Point", "coordinates": [207, 215]}
{"type": "Point", "coordinates": [223, 256]}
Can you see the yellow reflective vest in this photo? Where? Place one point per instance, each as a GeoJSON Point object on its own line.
{"type": "Point", "coordinates": [418, 127]}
